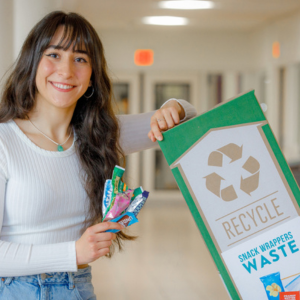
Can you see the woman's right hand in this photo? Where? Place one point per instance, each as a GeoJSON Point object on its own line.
{"type": "Point", "coordinates": [95, 242]}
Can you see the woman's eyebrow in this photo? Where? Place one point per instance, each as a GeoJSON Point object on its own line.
{"type": "Point", "coordinates": [61, 47]}
{"type": "Point", "coordinates": [54, 47]}
{"type": "Point", "coordinates": [81, 51]}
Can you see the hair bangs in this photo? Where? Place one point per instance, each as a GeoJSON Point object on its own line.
{"type": "Point", "coordinates": [75, 35]}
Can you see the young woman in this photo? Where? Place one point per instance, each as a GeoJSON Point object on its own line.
{"type": "Point", "coordinates": [59, 142]}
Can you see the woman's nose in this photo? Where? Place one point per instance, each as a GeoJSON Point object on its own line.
{"type": "Point", "coordinates": [65, 68]}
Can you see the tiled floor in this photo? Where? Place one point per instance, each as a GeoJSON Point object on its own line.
{"type": "Point", "coordinates": [169, 260]}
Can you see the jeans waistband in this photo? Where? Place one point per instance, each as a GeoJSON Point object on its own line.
{"type": "Point", "coordinates": [82, 275]}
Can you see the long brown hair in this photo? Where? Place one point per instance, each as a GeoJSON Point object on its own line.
{"type": "Point", "coordinates": [93, 120]}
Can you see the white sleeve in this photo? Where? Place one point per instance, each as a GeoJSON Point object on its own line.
{"type": "Point", "coordinates": [27, 259]}
{"type": "Point", "coordinates": [134, 128]}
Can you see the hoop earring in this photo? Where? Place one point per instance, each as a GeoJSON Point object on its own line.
{"type": "Point", "coordinates": [90, 94]}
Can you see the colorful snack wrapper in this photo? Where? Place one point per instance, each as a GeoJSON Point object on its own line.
{"type": "Point", "coordinates": [137, 192]}
{"type": "Point", "coordinates": [118, 198]}
{"type": "Point", "coordinates": [126, 220]}
{"type": "Point", "coordinates": [273, 285]}
{"type": "Point", "coordinates": [122, 187]}
{"type": "Point", "coordinates": [137, 204]}
{"type": "Point", "coordinates": [121, 203]}
{"type": "Point", "coordinates": [116, 180]}
{"type": "Point", "coordinates": [107, 195]}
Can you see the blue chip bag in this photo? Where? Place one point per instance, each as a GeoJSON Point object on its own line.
{"type": "Point", "coordinates": [273, 285]}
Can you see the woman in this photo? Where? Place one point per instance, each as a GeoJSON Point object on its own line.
{"type": "Point", "coordinates": [59, 142]}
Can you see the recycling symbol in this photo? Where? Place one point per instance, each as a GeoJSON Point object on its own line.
{"type": "Point", "coordinates": [247, 185]}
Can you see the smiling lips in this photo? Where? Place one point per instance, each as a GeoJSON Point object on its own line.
{"type": "Point", "coordinates": [62, 87]}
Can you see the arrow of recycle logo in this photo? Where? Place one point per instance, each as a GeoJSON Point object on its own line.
{"type": "Point", "coordinates": [247, 185]}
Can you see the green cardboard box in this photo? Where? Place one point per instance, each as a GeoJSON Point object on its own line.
{"type": "Point", "coordinates": [242, 196]}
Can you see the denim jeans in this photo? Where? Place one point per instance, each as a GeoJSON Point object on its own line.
{"type": "Point", "coordinates": [49, 286]}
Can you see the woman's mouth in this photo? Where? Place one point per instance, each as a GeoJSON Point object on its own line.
{"type": "Point", "coordinates": [62, 87]}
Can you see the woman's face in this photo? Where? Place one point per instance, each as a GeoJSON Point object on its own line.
{"type": "Point", "coordinates": [62, 76]}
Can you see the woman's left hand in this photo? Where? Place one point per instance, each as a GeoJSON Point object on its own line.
{"type": "Point", "coordinates": [165, 118]}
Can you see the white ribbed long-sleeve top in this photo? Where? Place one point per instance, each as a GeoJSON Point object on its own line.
{"type": "Point", "coordinates": [43, 202]}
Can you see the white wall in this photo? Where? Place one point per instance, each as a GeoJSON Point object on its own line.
{"type": "Point", "coordinates": [6, 36]}
{"type": "Point", "coordinates": [179, 49]}
{"type": "Point", "coordinates": [287, 32]}
{"type": "Point", "coordinates": [26, 14]}
{"type": "Point", "coordinates": [184, 52]}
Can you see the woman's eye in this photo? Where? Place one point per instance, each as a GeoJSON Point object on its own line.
{"type": "Point", "coordinates": [54, 55]}
{"type": "Point", "coordinates": [80, 59]}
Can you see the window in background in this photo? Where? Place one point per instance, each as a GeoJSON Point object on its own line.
{"type": "Point", "coordinates": [120, 101]}
{"type": "Point", "coordinates": [165, 91]}
{"type": "Point", "coordinates": [164, 179]}
{"type": "Point", "coordinates": [215, 89]}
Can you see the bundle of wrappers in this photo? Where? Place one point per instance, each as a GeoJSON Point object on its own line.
{"type": "Point", "coordinates": [120, 203]}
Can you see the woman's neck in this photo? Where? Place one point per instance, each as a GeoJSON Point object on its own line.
{"type": "Point", "coordinates": [53, 122]}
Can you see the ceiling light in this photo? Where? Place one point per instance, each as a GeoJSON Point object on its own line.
{"type": "Point", "coordinates": [186, 4]}
{"type": "Point", "coordinates": [165, 20]}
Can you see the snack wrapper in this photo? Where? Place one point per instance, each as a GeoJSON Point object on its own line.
{"type": "Point", "coordinates": [273, 285]}
{"type": "Point", "coordinates": [137, 204]}
{"type": "Point", "coordinates": [126, 220]}
{"type": "Point", "coordinates": [121, 203]}
{"type": "Point", "coordinates": [122, 187]}
{"type": "Point", "coordinates": [116, 186]}
{"type": "Point", "coordinates": [107, 195]}
{"type": "Point", "coordinates": [116, 182]}
{"type": "Point", "coordinates": [137, 192]}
